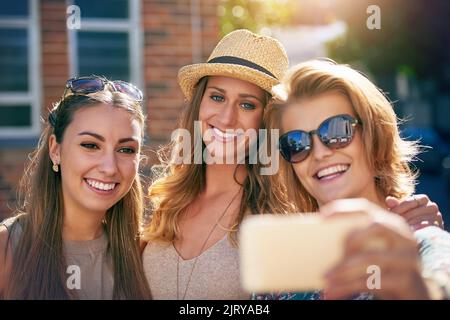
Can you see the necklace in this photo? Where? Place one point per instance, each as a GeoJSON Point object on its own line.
{"type": "Point", "coordinates": [201, 251]}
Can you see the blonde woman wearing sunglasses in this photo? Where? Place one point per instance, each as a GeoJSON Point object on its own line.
{"type": "Point", "coordinates": [339, 140]}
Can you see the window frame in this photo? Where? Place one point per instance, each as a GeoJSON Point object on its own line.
{"type": "Point", "coordinates": [131, 26]}
{"type": "Point", "coordinates": [33, 96]}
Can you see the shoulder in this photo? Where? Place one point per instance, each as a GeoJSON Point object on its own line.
{"type": "Point", "coordinates": [4, 235]}
{"type": "Point", "coordinates": [434, 249]}
{"type": "Point", "coordinates": [142, 245]}
{"type": "Point", "coordinates": [4, 244]}
{"type": "Point", "coordinates": [432, 237]}
{"type": "Point", "coordinates": [5, 257]}
{"type": "Point", "coordinates": [434, 245]}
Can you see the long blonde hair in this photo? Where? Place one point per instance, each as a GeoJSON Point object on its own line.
{"type": "Point", "coordinates": [179, 184]}
{"type": "Point", "coordinates": [38, 261]}
{"type": "Point", "coordinates": [386, 152]}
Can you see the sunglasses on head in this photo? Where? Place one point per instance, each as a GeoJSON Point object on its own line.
{"type": "Point", "coordinates": [335, 132]}
{"type": "Point", "coordinates": [86, 85]}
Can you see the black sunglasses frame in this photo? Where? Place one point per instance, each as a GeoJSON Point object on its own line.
{"type": "Point", "coordinates": [115, 84]}
{"type": "Point", "coordinates": [331, 142]}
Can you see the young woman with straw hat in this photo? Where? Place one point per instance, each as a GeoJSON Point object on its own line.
{"type": "Point", "coordinates": [197, 206]}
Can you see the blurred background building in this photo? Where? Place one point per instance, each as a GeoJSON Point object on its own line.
{"type": "Point", "coordinates": [147, 41]}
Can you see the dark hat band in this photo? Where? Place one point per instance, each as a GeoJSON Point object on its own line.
{"type": "Point", "coordinates": [242, 62]}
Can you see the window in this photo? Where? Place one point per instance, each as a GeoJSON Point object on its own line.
{"type": "Point", "coordinates": [19, 68]}
{"type": "Point", "coordinates": [109, 40]}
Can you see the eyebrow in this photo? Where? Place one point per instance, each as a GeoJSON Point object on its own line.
{"type": "Point", "coordinates": [242, 95]}
{"type": "Point", "coordinates": [101, 138]}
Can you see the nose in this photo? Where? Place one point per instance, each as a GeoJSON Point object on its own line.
{"type": "Point", "coordinates": [228, 114]}
{"type": "Point", "coordinates": [108, 164]}
{"type": "Point", "coordinates": [319, 150]}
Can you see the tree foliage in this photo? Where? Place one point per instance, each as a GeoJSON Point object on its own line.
{"type": "Point", "coordinates": [413, 39]}
{"type": "Point", "coordinates": [255, 15]}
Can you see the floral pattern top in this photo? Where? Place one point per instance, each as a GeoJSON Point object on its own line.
{"type": "Point", "coordinates": [434, 250]}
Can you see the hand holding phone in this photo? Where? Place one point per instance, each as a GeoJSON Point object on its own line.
{"type": "Point", "coordinates": [292, 252]}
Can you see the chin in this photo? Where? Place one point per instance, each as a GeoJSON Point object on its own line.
{"type": "Point", "coordinates": [332, 197]}
{"type": "Point", "coordinates": [217, 154]}
{"type": "Point", "coordinates": [99, 207]}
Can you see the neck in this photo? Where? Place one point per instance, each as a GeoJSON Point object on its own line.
{"type": "Point", "coordinates": [80, 225]}
{"type": "Point", "coordinates": [220, 178]}
{"type": "Point", "coordinates": [370, 193]}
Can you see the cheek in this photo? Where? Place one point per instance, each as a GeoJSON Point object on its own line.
{"type": "Point", "coordinates": [74, 162]}
{"type": "Point", "coordinates": [358, 153]}
{"type": "Point", "coordinates": [254, 119]}
{"type": "Point", "coordinates": [129, 168]}
{"type": "Point", "coordinates": [256, 122]}
{"type": "Point", "coordinates": [204, 112]}
{"type": "Point", "coordinates": [300, 172]}
{"type": "Point", "coordinates": [201, 114]}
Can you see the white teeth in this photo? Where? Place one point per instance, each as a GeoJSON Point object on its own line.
{"type": "Point", "coordinates": [224, 135]}
{"type": "Point", "coordinates": [331, 170]}
{"type": "Point", "coordinates": [100, 185]}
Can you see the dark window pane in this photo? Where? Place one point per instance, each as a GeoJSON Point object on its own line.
{"type": "Point", "coordinates": [103, 8]}
{"type": "Point", "coordinates": [16, 116]}
{"type": "Point", "coordinates": [104, 53]}
{"type": "Point", "coordinates": [13, 60]}
{"type": "Point", "coordinates": [14, 8]}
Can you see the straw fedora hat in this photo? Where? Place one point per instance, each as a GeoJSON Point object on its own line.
{"type": "Point", "coordinates": [241, 54]}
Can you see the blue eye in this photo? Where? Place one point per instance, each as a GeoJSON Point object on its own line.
{"type": "Point", "coordinates": [127, 150]}
{"type": "Point", "coordinates": [217, 98]}
{"type": "Point", "coordinates": [89, 145]}
{"type": "Point", "coordinates": [248, 106]}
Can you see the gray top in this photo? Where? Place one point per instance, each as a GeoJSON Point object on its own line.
{"type": "Point", "coordinates": [89, 267]}
{"type": "Point", "coordinates": [215, 275]}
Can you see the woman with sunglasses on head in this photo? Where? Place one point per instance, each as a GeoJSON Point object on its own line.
{"type": "Point", "coordinates": [340, 140]}
{"type": "Point", "coordinates": [198, 207]}
{"type": "Point", "coordinates": [76, 235]}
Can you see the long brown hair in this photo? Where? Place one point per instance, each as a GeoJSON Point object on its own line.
{"type": "Point", "coordinates": [38, 261]}
{"type": "Point", "coordinates": [385, 151]}
{"type": "Point", "coordinates": [177, 185]}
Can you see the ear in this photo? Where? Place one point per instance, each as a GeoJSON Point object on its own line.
{"type": "Point", "coordinates": [54, 149]}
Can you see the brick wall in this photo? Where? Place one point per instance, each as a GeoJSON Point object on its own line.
{"type": "Point", "coordinates": [168, 40]}
{"type": "Point", "coordinates": [54, 50]}
{"type": "Point", "coordinates": [11, 168]}
{"type": "Point", "coordinates": [168, 45]}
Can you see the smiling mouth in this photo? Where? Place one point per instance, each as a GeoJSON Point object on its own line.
{"type": "Point", "coordinates": [101, 186]}
{"type": "Point", "coordinates": [331, 172]}
{"type": "Point", "coordinates": [223, 136]}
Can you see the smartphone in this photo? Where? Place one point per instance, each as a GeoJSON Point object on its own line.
{"type": "Point", "coordinates": [291, 253]}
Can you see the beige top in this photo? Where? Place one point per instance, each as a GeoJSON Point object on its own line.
{"type": "Point", "coordinates": [215, 276]}
{"type": "Point", "coordinates": [89, 267]}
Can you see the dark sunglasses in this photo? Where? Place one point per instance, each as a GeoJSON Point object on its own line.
{"type": "Point", "coordinates": [335, 132]}
{"type": "Point", "coordinates": [86, 85]}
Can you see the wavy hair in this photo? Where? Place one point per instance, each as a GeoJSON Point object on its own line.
{"type": "Point", "coordinates": [38, 261]}
{"type": "Point", "coordinates": [385, 151]}
{"type": "Point", "coordinates": [177, 185]}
